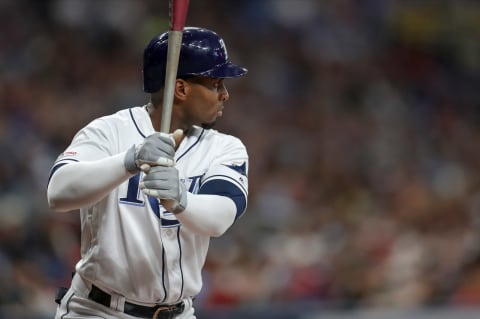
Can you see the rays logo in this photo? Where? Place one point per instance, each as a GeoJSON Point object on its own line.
{"type": "Point", "coordinates": [242, 168]}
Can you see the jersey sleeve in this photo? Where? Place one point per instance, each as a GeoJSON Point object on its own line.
{"type": "Point", "coordinates": [228, 174]}
{"type": "Point", "coordinates": [93, 142]}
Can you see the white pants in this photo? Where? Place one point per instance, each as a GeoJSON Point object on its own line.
{"type": "Point", "coordinates": [75, 304]}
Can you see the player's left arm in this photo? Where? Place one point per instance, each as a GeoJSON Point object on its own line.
{"type": "Point", "coordinates": [221, 198]}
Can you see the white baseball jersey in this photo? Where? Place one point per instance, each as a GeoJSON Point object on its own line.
{"type": "Point", "coordinates": [130, 245]}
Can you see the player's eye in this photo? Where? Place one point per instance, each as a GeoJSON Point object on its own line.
{"type": "Point", "coordinates": [218, 84]}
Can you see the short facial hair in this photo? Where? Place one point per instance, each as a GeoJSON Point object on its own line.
{"type": "Point", "coordinates": [208, 126]}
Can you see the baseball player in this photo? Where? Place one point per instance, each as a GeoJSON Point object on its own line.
{"type": "Point", "coordinates": [150, 202]}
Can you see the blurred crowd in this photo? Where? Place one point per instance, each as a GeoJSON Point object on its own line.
{"type": "Point", "coordinates": [361, 119]}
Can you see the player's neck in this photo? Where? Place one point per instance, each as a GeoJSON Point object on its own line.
{"type": "Point", "coordinates": [156, 118]}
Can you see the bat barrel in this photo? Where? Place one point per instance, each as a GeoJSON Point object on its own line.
{"type": "Point", "coordinates": [173, 54]}
{"type": "Point", "coordinates": [178, 14]}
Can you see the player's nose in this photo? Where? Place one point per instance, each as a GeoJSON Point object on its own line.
{"type": "Point", "coordinates": [223, 94]}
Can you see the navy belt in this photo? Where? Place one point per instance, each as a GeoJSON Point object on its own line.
{"type": "Point", "coordinates": [155, 312]}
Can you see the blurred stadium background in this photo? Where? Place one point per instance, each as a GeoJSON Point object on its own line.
{"type": "Point", "coordinates": [362, 124]}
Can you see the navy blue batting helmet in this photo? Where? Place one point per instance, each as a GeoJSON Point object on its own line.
{"type": "Point", "coordinates": [202, 53]}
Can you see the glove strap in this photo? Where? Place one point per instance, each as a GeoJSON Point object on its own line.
{"type": "Point", "coordinates": [129, 160]}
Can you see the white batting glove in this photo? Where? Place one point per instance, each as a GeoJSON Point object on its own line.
{"type": "Point", "coordinates": [163, 183]}
{"type": "Point", "coordinates": [157, 149]}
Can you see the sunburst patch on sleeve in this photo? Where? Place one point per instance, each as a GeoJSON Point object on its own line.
{"type": "Point", "coordinates": [240, 168]}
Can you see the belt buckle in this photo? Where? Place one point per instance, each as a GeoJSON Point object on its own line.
{"type": "Point", "coordinates": [159, 310]}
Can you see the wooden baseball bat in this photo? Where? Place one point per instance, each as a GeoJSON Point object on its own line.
{"type": "Point", "coordinates": [177, 16]}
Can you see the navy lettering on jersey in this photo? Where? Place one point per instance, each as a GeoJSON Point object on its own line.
{"type": "Point", "coordinates": [132, 198]}
{"type": "Point", "coordinates": [193, 184]}
{"type": "Point", "coordinates": [133, 192]}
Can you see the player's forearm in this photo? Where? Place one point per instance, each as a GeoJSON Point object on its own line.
{"type": "Point", "coordinates": [208, 215]}
{"type": "Point", "coordinates": [81, 184]}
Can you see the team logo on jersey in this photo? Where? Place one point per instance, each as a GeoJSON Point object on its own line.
{"type": "Point", "coordinates": [135, 197]}
{"type": "Point", "coordinates": [242, 168]}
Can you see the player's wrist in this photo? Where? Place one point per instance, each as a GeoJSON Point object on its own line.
{"type": "Point", "coordinates": [180, 203]}
{"type": "Point", "coordinates": [130, 160]}
{"type": "Point", "coordinates": [173, 206]}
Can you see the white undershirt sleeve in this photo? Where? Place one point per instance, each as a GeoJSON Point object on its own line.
{"type": "Point", "coordinates": [208, 215]}
{"type": "Point", "coordinates": [80, 184]}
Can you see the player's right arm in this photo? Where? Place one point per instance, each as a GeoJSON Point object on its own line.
{"type": "Point", "coordinates": [80, 184]}
{"type": "Point", "coordinates": [90, 168]}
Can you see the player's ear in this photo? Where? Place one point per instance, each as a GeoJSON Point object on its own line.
{"type": "Point", "coordinates": [181, 89]}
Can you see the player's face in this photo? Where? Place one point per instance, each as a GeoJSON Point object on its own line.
{"type": "Point", "coordinates": [205, 100]}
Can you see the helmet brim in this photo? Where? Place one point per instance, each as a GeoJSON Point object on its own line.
{"type": "Point", "coordinates": [224, 71]}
